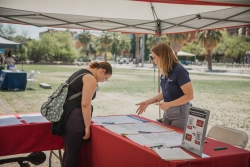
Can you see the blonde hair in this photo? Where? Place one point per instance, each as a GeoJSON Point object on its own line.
{"type": "Point", "coordinates": [166, 56]}
{"type": "Point", "coordinates": [103, 65]}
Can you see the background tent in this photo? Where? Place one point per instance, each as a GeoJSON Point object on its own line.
{"type": "Point", "coordinates": [7, 44]}
{"type": "Point", "coordinates": [181, 53]}
{"type": "Point", "coordinates": [186, 61]}
{"type": "Point", "coordinates": [126, 15]}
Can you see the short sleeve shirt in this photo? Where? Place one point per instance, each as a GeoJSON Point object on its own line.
{"type": "Point", "coordinates": [171, 84]}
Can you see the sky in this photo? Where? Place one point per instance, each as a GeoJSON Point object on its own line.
{"type": "Point", "coordinates": [33, 31]}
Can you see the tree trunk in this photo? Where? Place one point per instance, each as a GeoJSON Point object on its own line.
{"type": "Point", "coordinates": [176, 54]}
{"type": "Point", "coordinates": [238, 59]}
{"type": "Point", "coordinates": [105, 55]}
{"type": "Point", "coordinates": [209, 60]}
{"type": "Point", "coordinates": [137, 48]}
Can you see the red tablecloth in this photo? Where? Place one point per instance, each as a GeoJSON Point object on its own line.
{"type": "Point", "coordinates": [108, 149]}
{"type": "Point", "coordinates": [28, 138]}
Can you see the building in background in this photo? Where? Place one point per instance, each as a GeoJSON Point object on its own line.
{"type": "Point", "coordinates": [239, 30]}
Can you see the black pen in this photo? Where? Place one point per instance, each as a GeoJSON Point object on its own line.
{"type": "Point", "coordinates": [220, 148]}
{"type": "Point", "coordinates": [157, 146]}
{"type": "Point", "coordinates": [174, 147]}
{"type": "Point", "coordinates": [108, 123]}
{"type": "Point", "coordinates": [144, 132]}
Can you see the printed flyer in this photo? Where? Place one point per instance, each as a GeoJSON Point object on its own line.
{"type": "Point", "coordinates": [195, 130]}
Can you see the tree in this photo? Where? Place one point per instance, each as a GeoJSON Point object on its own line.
{"type": "Point", "coordinates": [137, 48]}
{"type": "Point", "coordinates": [209, 39]}
{"type": "Point", "coordinates": [106, 40]}
{"type": "Point", "coordinates": [153, 39]}
{"type": "Point", "coordinates": [34, 51]}
{"type": "Point", "coordinates": [114, 48]}
{"type": "Point", "coordinates": [194, 48]}
{"type": "Point", "coordinates": [22, 53]}
{"type": "Point", "coordinates": [132, 44]}
{"type": "Point", "coordinates": [242, 43]}
{"type": "Point", "coordinates": [58, 46]}
{"type": "Point", "coordinates": [124, 43]}
{"type": "Point", "coordinates": [221, 48]}
{"type": "Point", "coordinates": [8, 31]}
{"type": "Point", "coordinates": [177, 41]}
{"type": "Point", "coordinates": [84, 37]}
{"type": "Point", "coordinates": [64, 50]}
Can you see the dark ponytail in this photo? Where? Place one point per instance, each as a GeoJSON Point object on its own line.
{"type": "Point", "coordinates": [103, 65]}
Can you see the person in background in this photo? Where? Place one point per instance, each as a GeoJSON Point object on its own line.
{"type": "Point", "coordinates": [15, 59]}
{"type": "Point", "coordinates": [176, 87]}
{"type": "Point", "coordinates": [10, 61]}
{"type": "Point", "coordinates": [74, 125]}
{"type": "Point", "coordinates": [2, 59]}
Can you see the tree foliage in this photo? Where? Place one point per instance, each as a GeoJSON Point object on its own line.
{"type": "Point", "coordinates": [58, 46]}
{"type": "Point", "coordinates": [153, 39]}
{"type": "Point", "coordinates": [236, 47]}
{"type": "Point", "coordinates": [120, 44]}
{"type": "Point", "coordinates": [106, 40]}
{"type": "Point", "coordinates": [178, 40]}
{"type": "Point", "coordinates": [7, 31]}
{"type": "Point", "coordinates": [209, 39]}
{"type": "Point", "coordinates": [84, 38]}
{"type": "Point", "coordinates": [194, 48]}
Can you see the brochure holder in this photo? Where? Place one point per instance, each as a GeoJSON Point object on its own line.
{"type": "Point", "coordinates": [195, 130]}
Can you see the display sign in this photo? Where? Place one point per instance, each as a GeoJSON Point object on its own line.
{"type": "Point", "coordinates": [195, 130]}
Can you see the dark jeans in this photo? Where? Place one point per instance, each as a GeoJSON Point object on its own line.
{"type": "Point", "coordinates": [73, 138]}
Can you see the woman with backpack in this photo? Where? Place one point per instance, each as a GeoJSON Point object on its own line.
{"type": "Point", "coordinates": [176, 87]}
{"type": "Point", "coordinates": [75, 122]}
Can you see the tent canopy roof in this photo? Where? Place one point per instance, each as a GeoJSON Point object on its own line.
{"type": "Point", "coordinates": [123, 15]}
{"type": "Point", "coordinates": [7, 44]}
{"type": "Point", "coordinates": [181, 53]}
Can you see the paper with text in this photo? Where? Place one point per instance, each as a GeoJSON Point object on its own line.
{"type": "Point", "coordinates": [172, 154]}
{"type": "Point", "coordinates": [136, 128]}
{"type": "Point", "coordinates": [114, 120]}
{"type": "Point", "coordinates": [33, 118]}
{"type": "Point", "coordinates": [9, 120]}
{"type": "Point", "coordinates": [151, 139]}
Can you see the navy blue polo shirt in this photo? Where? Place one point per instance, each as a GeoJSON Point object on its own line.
{"type": "Point", "coordinates": [171, 84]}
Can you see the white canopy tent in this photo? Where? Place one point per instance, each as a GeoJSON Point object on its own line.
{"type": "Point", "coordinates": [7, 44]}
{"type": "Point", "coordinates": [187, 55]}
{"type": "Point", "coordinates": [181, 53]}
{"type": "Point", "coordinates": [127, 16]}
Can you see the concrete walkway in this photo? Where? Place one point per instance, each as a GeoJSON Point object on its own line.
{"type": "Point", "coordinates": [240, 72]}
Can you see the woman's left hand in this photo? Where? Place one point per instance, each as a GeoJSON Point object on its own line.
{"type": "Point", "coordinates": [163, 105]}
{"type": "Point", "coordinates": [87, 133]}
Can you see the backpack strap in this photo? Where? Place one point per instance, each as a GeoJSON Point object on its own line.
{"type": "Point", "coordinates": [77, 94]}
{"type": "Point", "coordinates": [77, 77]}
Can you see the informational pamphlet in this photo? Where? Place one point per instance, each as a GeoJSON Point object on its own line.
{"type": "Point", "coordinates": [33, 118]}
{"type": "Point", "coordinates": [172, 153]}
{"type": "Point", "coordinates": [9, 120]}
{"type": "Point", "coordinates": [120, 119]}
{"type": "Point", "coordinates": [169, 139]}
{"type": "Point", "coordinates": [195, 130]}
{"type": "Point", "coordinates": [127, 129]}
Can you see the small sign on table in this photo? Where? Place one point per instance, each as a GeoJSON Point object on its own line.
{"type": "Point", "coordinates": [195, 130]}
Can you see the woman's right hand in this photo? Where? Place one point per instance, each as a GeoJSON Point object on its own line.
{"type": "Point", "coordinates": [142, 107]}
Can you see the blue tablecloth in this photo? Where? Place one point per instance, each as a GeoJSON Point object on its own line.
{"type": "Point", "coordinates": [13, 80]}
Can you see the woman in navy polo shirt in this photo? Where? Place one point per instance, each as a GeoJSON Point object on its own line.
{"type": "Point", "coordinates": [176, 87]}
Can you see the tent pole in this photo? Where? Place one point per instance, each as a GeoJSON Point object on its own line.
{"type": "Point", "coordinates": [159, 90]}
